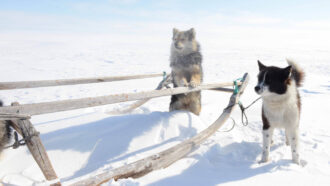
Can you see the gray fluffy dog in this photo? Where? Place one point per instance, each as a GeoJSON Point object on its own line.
{"type": "Point", "coordinates": [186, 65]}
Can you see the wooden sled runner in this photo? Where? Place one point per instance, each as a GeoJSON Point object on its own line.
{"type": "Point", "coordinates": [19, 116]}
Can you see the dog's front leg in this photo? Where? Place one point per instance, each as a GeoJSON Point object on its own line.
{"type": "Point", "coordinates": [195, 80]}
{"type": "Point", "coordinates": [266, 136]}
{"type": "Point", "coordinates": [196, 76]}
{"type": "Point", "coordinates": [180, 81]}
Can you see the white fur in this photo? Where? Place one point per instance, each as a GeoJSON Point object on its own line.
{"type": "Point", "coordinates": [262, 85]}
{"type": "Point", "coordinates": [282, 111]}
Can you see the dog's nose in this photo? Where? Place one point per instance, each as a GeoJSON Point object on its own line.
{"type": "Point", "coordinates": [257, 88]}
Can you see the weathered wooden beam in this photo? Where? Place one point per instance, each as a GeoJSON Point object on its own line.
{"type": "Point", "coordinates": [37, 149]}
{"type": "Point", "coordinates": [126, 109]}
{"type": "Point", "coordinates": [14, 123]}
{"type": "Point", "coordinates": [131, 107]}
{"type": "Point", "coordinates": [57, 106]}
{"type": "Point", "coordinates": [223, 89]}
{"type": "Point", "coordinates": [4, 116]}
{"type": "Point", "coordinates": [48, 83]}
{"type": "Point", "coordinates": [169, 156]}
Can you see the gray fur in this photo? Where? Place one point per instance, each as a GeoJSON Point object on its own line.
{"type": "Point", "coordinates": [195, 57]}
{"type": "Point", "coordinates": [186, 65]}
{"type": "Point", "coordinates": [5, 133]}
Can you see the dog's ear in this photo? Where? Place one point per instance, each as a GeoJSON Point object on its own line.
{"type": "Point", "coordinates": [261, 66]}
{"type": "Point", "coordinates": [191, 34]}
{"type": "Point", "coordinates": [287, 72]}
{"type": "Point", "coordinates": [175, 31]}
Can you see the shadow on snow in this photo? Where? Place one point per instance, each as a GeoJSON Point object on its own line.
{"type": "Point", "coordinates": [110, 138]}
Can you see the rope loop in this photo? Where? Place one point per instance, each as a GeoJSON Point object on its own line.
{"type": "Point", "coordinates": [244, 118]}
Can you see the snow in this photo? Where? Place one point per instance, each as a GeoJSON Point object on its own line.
{"type": "Point", "coordinates": [86, 141]}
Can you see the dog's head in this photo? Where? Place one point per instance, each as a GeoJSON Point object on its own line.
{"type": "Point", "coordinates": [272, 80]}
{"type": "Point", "coordinates": [184, 41]}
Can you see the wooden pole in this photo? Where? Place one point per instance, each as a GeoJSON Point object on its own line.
{"type": "Point", "coordinates": [13, 116]}
{"type": "Point", "coordinates": [48, 83]}
{"type": "Point", "coordinates": [169, 156]}
{"type": "Point", "coordinates": [57, 106]}
{"type": "Point", "coordinates": [126, 109]}
{"type": "Point", "coordinates": [37, 149]}
{"type": "Point", "coordinates": [223, 89]}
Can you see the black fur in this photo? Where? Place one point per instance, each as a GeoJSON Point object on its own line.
{"type": "Point", "coordinates": [8, 128]}
{"type": "Point", "coordinates": [276, 78]}
{"type": "Point", "coordinates": [265, 121]}
{"type": "Point", "coordinates": [298, 76]}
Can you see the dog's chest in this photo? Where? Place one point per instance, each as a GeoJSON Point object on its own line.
{"type": "Point", "coordinates": [281, 115]}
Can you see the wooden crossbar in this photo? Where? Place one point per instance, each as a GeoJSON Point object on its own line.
{"type": "Point", "coordinates": [58, 106]}
{"type": "Point", "coordinates": [48, 83]}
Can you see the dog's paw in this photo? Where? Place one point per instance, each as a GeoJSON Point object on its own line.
{"type": "Point", "coordinates": [193, 84]}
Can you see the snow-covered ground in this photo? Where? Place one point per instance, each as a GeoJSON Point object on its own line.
{"type": "Point", "coordinates": [87, 141]}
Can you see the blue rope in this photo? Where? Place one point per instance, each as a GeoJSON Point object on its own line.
{"type": "Point", "coordinates": [236, 86]}
{"type": "Point", "coordinates": [164, 75]}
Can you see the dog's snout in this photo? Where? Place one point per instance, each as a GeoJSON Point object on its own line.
{"type": "Point", "coordinates": [257, 88]}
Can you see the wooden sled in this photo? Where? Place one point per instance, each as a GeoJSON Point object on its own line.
{"type": "Point", "coordinates": [19, 116]}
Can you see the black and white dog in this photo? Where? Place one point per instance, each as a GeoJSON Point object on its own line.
{"type": "Point", "coordinates": [280, 105]}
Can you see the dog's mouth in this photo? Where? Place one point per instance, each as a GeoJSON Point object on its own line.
{"type": "Point", "coordinates": [178, 47]}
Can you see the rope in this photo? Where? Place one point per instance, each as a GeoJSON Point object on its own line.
{"type": "Point", "coordinates": [245, 121]}
{"type": "Point", "coordinates": [164, 75]}
{"type": "Point", "coordinates": [22, 141]}
{"type": "Point", "coordinates": [243, 111]}
{"type": "Point", "coordinates": [167, 79]}
{"type": "Point", "coordinates": [232, 127]}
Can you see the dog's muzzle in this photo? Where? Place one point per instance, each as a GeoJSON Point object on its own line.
{"type": "Point", "coordinates": [258, 89]}
{"type": "Point", "coordinates": [177, 46]}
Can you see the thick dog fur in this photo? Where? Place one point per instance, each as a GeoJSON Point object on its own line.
{"type": "Point", "coordinates": [186, 65]}
{"type": "Point", "coordinates": [5, 132]}
{"type": "Point", "coordinates": [281, 105]}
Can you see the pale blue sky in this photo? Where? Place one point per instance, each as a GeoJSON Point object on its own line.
{"type": "Point", "coordinates": [73, 15]}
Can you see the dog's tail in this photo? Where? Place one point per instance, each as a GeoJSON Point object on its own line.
{"type": "Point", "coordinates": [297, 73]}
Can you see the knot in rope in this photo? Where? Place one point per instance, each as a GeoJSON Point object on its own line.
{"type": "Point", "coordinates": [22, 141]}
